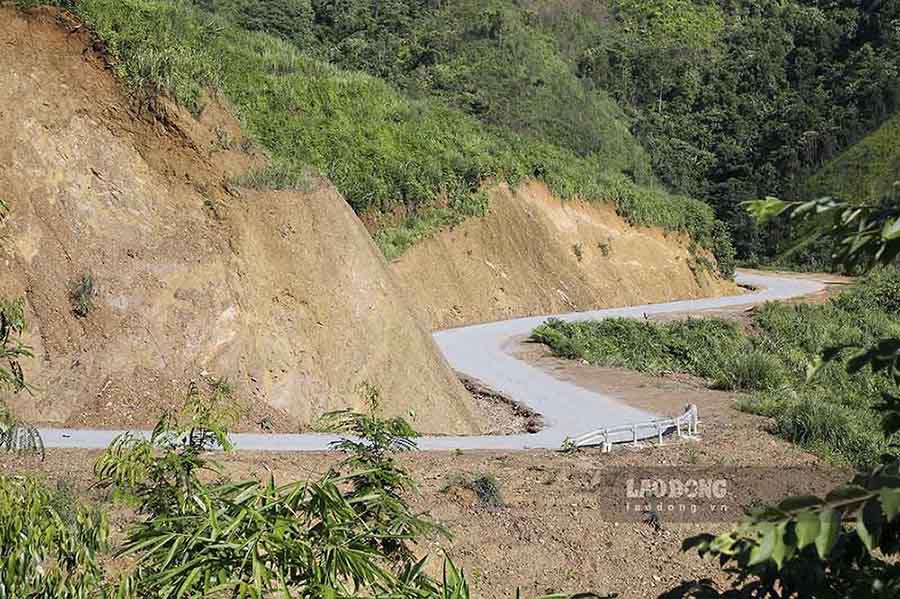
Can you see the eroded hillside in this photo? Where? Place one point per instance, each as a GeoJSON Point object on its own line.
{"type": "Point", "coordinates": [535, 254]}
{"type": "Point", "coordinates": [283, 293]}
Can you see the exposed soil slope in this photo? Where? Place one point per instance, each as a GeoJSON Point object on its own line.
{"type": "Point", "coordinates": [534, 254]}
{"type": "Point", "coordinates": [284, 293]}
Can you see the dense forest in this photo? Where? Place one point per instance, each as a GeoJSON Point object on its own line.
{"type": "Point", "coordinates": [729, 101]}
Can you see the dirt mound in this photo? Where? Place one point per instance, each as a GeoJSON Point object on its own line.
{"type": "Point", "coordinates": [534, 254]}
{"type": "Point", "coordinates": [284, 293]}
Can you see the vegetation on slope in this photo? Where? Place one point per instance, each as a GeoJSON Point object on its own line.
{"type": "Point", "coordinates": [868, 171]}
{"type": "Point", "coordinates": [390, 153]}
{"type": "Point", "coordinates": [731, 101]}
{"type": "Point", "coordinates": [487, 58]}
{"type": "Point", "coordinates": [739, 100]}
{"type": "Point", "coordinates": [831, 414]}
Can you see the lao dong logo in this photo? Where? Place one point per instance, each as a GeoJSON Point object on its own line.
{"type": "Point", "coordinates": [692, 497]}
{"type": "Point", "coordinates": [702, 488]}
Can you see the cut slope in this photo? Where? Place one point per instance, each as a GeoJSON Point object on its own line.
{"type": "Point", "coordinates": [412, 164]}
{"type": "Point", "coordinates": [535, 254]}
{"type": "Point", "coordinates": [285, 293]}
{"type": "Point", "coordinates": [868, 170]}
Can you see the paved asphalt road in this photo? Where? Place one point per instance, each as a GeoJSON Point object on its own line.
{"type": "Point", "coordinates": [483, 352]}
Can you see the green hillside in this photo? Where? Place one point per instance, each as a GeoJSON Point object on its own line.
{"type": "Point", "coordinates": [387, 151]}
{"type": "Point", "coordinates": [412, 106]}
{"type": "Point", "coordinates": [730, 101]}
{"type": "Point", "coordinates": [868, 170]}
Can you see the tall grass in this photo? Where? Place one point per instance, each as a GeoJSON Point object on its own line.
{"type": "Point", "coordinates": [386, 152]}
{"type": "Point", "coordinates": [831, 413]}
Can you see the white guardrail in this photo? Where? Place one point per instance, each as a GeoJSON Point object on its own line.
{"type": "Point", "coordinates": [683, 426]}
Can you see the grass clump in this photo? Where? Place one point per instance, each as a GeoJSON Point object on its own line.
{"type": "Point", "coordinates": [277, 176]}
{"type": "Point", "coordinates": [578, 251]}
{"type": "Point", "coordinates": [485, 486]}
{"type": "Point", "coordinates": [754, 371]}
{"type": "Point", "coordinates": [704, 347]}
{"type": "Point", "coordinates": [82, 293]}
{"type": "Point", "coordinates": [388, 149]}
{"type": "Point", "coordinates": [832, 413]}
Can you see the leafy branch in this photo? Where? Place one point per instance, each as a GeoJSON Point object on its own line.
{"type": "Point", "coordinates": [14, 434]}
{"type": "Point", "coordinates": [863, 235]}
{"type": "Point", "coordinates": [844, 544]}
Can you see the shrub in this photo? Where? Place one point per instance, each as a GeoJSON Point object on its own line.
{"type": "Point", "coordinates": [880, 290]}
{"type": "Point", "coordinates": [578, 250]}
{"type": "Point", "coordinates": [605, 247]}
{"type": "Point", "coordinates": [753, 371]}
{"type": "Point", "coordinates": [49, 543]}
{"type": "Point", "coordinates": [14, 434]}
{"type": "Point", "coordinates": [12, 349]}
{"type": "Point", "coordinates": [81, 295]}
{"type": "Point", "coordinates": [485, 487]}
{"type": "Point", "coordinates": [842, 434]}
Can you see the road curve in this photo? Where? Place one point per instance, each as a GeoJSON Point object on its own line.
{"type": "Point", "coordinates": [484, 352]}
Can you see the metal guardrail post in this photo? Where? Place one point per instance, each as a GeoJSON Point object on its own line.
{"type": "Point", "coordinates": [684, 425]}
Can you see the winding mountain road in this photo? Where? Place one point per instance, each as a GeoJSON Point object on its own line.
{"type": "Point", "coordinates": [484, 352]}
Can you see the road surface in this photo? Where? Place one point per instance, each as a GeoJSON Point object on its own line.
{"type": "Point", "coordinates": [484, 352]}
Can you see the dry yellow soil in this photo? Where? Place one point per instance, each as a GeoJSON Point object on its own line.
{"type": "Point", "coordinates": [535, 254]}
{"type": "Point", "coordinates": [284, 293]}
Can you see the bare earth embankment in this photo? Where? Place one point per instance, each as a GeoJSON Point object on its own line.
{"type": "Point", "coordinates": [535, 254]}
{"type": "Point", "coordinates": [284, 293]}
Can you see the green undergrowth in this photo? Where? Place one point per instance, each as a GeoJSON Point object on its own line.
{"type": "Point", "coordinates": [868, 170]}
{"type": "Point", "coordinates": [831, 413]}
{"type": "Point", "coordinates": [423, 161]}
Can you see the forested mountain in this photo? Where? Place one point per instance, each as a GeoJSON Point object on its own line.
{"type": "Point", "coordinates": [729, 100]}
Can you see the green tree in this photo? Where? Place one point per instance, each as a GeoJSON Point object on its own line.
{"type": "Point", "coordinates": [752, 107]}
{"type": "Point", "coordinates": [845, 544]}
{"type": "Point", "coordinates": [14, 434]}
